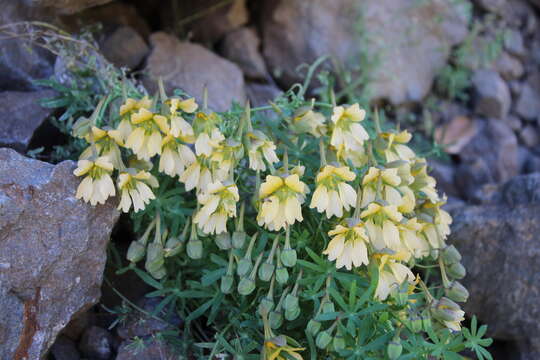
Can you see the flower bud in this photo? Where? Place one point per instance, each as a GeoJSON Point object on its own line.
{"type": "Point", "coordinates": [246, 286]}
{"type": "Point", "coordinates": [173, 246]}
{"type": "Point", "coordinates": [244, 266]}
{"type": "Point", "coordinates": [238, 239]}
{"type": "Point", "coordinates": [451, 255]}
{"type": "Point", "coordinates": [446, 310]}
{"type": "Point", "coordinates": [456, 271]}
{"type": "Point", "coordinates": [338, 342]}
{"type": "Point", "coordinates": [223, 241]}
{"type": "Point", "coordinates": [276, 319]}
{"type": "Point", "coordinates": [292, 314]}
{"type": "Point", "coordinates": [194, 248]}
{"type": "Point", "coordinates": [154, 258]}
{"type": "Point", "coordinates": [394, 348]}
{"type": "Point", "coordinates": [323, 339]}
{"type": "Point", "coordinates": [426, 322]}
{"type": "Point", "coordinates": [328, 307]}
{"type": "Point", "coordinates": [282, 275]}
{"type": "Point", "coordinates": [136, 251]}
{"type": "Point", "coordinates": [226, 283]}
{"type": "Point", "coordinates": [457, 292]}
{"type": "Point", "coordinates": [313, 327]}
{"type": "Point", "coordinates": [415, 323]}
{"type": "Point", "coordinates": [158, 273]}
{"type": "Point", "coordinates": [288, 257]}
{"type": "Point", "coordinates": [266, 305]}
{"type": "Point", "coordinates": [402, 296]}
{"type": "Point", "coordinates": [290, 302]}
{"type": "Point", "coordinates": [266, 271]}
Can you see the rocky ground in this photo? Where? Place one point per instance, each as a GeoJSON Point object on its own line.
{"type": "Point", "coordinates": [243, 49]}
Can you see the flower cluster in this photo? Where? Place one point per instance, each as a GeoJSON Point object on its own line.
{"type": "Point", "coordinates": [381, 207]}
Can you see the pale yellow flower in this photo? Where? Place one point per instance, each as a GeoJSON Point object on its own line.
{"type": "Point", "coordinates": [282, 198]}
{"type": "Point", "coordinates": [308, 121]}
{"type": "Point", "coordinates": [347, 130]}
{"type": "Point", "coordinates": [423, 184]}
{"type": "Point", "coordinates": [207, 141]}
{"type": "Point", "coordinates": [386, 181]}
{"type": "Point", "coordinates": [106, 144]}
{"type": "Point", "coordinates": [391, 275]}
{"type": "Point", "coordinates": [413, 241]}
{"type": "Point", "coordinates": [260, 149]}
{"type": "Point", "coordinates": [381, 224]}
{"type": "Point", "coordinates": [188, 105]}
{"type": "Point", "coordinates": [97, 186]}
{"type": "Point", "coordinates": [135, 189]}
{"type": "Point", "coordinates": [218, 204]}
{"type": "Point", "coordinates": [197, 175]}
{"type": "Point", "coordinates": [396, 148]}
{"type": "Point", "coordinates": [175, 157]}
{"type": "Point", "coordinates": [332, 193]}
{"type": "Point", "coordinates": [348, 245]}
{"type": "Point", "coordinates": [145, 140]}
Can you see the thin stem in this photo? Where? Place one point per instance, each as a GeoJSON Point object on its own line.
{"type": "Point", "coordinates": [323, 152]}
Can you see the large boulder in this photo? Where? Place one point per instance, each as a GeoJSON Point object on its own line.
{"type": "Point", "coordinates": [491, 156]}
{"type": "Point", "coordinates": [21, 117]}
{"type": "Point", "coordinates": [191, 67]}
{"type": "Point", "coordinates": [21, 62]}
{"type": "Point", "coordinates": [66, 6]}
{"type": "Point", "coordinates": [500, 241]}
{"type": "Point", "coordinates": [52, 253]}
{"type": "Point", "coordinates": [408, 42]}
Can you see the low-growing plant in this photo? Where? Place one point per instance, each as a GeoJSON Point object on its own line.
{"type": "Point", "coordinates": [301, 229]}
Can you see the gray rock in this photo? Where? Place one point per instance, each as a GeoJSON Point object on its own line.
{"type": "Point", "coordinates": [211, 23]}
{"type": "Point", "coordinates": [528, 103]}
{"type": "Point", "coordinates": [65, 349]}
{"type": "Point", "coordinates": [407, 44]}
{"type": "Point", "coordinates": [500, 242]}
{"type": "Point", "coordinates": [191, 67]}
{"type": "Point", "coordinates": [509, 67]}
{"type": "Point", "coordinates": [96, 343]}
{"type": "Point", "coordinates": [522, 190]}
{"type": "Point", "coordinates": [444, 174]}
{"type": "Point", "coordinates": [21, 116]}
{"type": "Point", "coordinates": [492, 95]}
{"type": "Point", "coordinates": [490, 157]}
{"type": "Point", "coordinates": [513, 43]}
{"type": "Point", "coordinates": [21, 63]}
{"type": "Point", "coordinates": [52, 253]}
{"type": "Point", "coordinates": [529, 136]}
{"type": "Point", "coordinates": [151, 349]}
{"type": "Point", "coordinates": [242, 47]}
{"type": "Point", "coordinates": [125, 48]}
{"type": "Point", "coordinates": [260, 94]}
{"type": "Point", "coordinates": [514, 122]}
{"type": "Point", "coordinates": [66, 6]}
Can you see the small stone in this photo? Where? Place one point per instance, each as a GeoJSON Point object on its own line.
{"type": "Point", "coordinates": [514, 122]}
{"type": "Point", "coordinates": [21, 116]}
{"type": "Point", "coordinates": [125, 48]}
{"type": "Point", "coordinates": [191, 67]}
{"type": "Point", "coordinates": [509, 67]}
{"type": "Point", "coordinates": [65, 349]}
{"type": "Point", "coordinates": [529, 136]}
{"type": "Point", "coordinates": [76, 326]}
{"type": "Point", "coordinates": [96, 343]}
{"type": "Point", "coordinates": [456, 134]}
{"type": "Point", "coordinates": [492, 94]}
{"type": "Point", "coordinates": [513, 43]}
{"type": "Point", "coordinates": [444, 174]}
{"type": "Point", "coordinates": [490, 157]}
{"type": "Point", "coordinates": [528, 103]}
{"type": "Point", "coordinates": [515, 87]}
{"type": "Point", "coordinates": [242, 47]}
{"type": "Point", "coordinates": [261, 94]}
